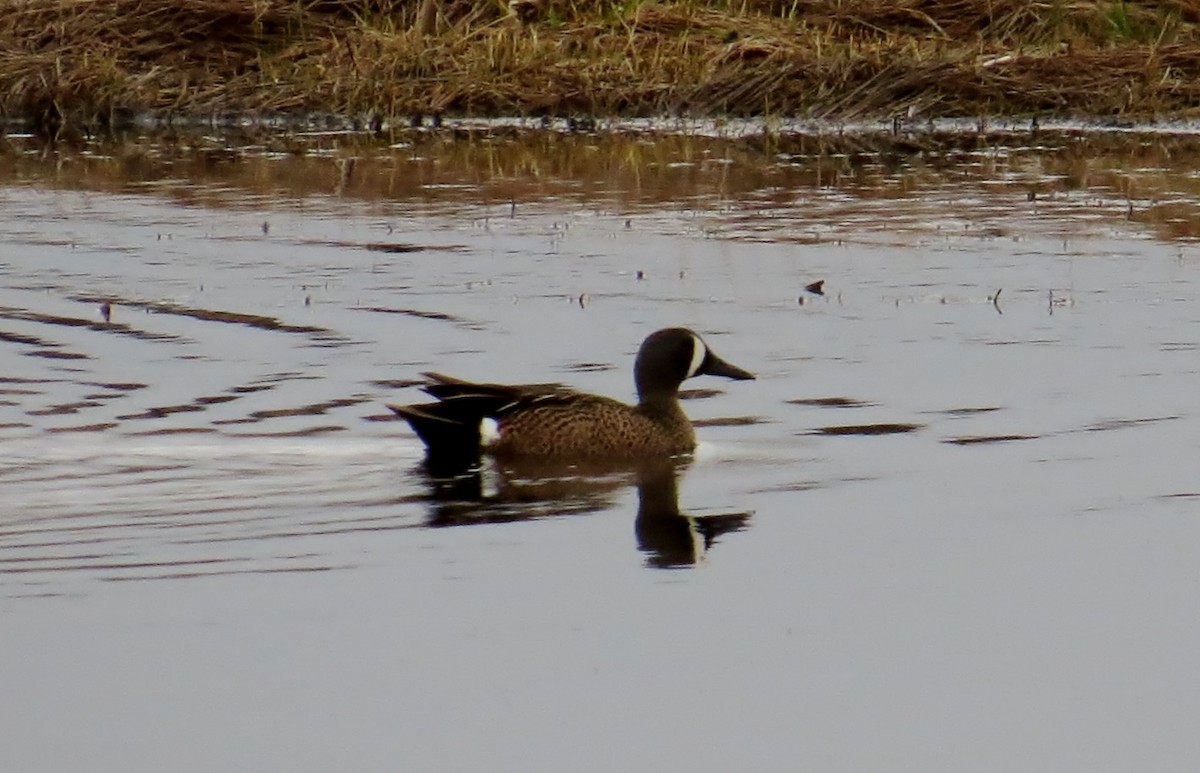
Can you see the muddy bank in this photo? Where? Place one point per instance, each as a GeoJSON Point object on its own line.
{"type": "Point", "coordinates": [80, 63]}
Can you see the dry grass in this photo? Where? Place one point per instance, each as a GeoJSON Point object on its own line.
{"type": "Point", "coordinates": [88, 62]}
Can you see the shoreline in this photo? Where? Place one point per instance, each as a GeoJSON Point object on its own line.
{"type": "Point", "coordinates": [301, 126]}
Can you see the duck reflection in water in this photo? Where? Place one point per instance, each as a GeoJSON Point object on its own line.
{"type": "Point", "coordinates": [514, 492]}
{"type": "Point", "coordinates": [668, 537]}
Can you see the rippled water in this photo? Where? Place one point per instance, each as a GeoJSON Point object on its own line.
{"type": "Point", "coordinates": [952, 526]}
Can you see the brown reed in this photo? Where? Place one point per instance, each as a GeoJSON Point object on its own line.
{"type": "Point", "coordinates": [88, 63]}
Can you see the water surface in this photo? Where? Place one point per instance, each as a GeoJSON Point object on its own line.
{"type": "Point", "coordinates": [952, 525]}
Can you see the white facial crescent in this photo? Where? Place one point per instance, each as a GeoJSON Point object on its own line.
{"type": "Point", "coordinates": [699, 352]}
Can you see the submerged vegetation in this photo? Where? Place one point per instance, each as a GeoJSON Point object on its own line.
{"type": "Point", "coordinates": [96, 62]}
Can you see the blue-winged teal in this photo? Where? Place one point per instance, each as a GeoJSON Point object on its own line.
{"type": "Point", "coordinates": [551, 421]}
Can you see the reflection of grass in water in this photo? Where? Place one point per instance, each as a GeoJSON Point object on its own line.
{"type": "Point", "coordinates": [258, 321]}
{"type": "Point", "coordinates": [503, 166]}
{"type": "Point", "coordinates": [100, 427]}
{"type": "Point", "coordinates": [314, 409]}
{"type": "Point", "coordinates": [869, 429]}
{"type": "Point", "coordinates": [974, 440]}
{"type": "Point", "coordinates": [731, 421]}
{"type": "Point", "coordinates": [507, 173]}
{"type": "Point", "coordinates": [82, 61]}
{"type": "Point", "coordinates": [830, 402]}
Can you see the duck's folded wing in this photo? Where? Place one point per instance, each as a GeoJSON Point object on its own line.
{"type": "Point", "coordinates": [445, 387]}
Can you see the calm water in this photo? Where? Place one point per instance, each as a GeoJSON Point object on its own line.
{"type": "Point", "coordinates": [944, 530]}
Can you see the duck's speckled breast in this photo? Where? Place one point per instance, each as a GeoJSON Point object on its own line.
{"type": "Point", "coordinates": [589, 426]}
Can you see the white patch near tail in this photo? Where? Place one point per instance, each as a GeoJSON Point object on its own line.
{"type": "Point", "coordinates": [490, 483]}
{"type": "Point", "coordinates": [699, 548]}
{"type": "Point", "coordinates": [699, 352]}
{"type": "Point", "coordinates": [489, 431]}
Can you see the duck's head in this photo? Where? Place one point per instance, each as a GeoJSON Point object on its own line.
{"type": "Point", "coordinates": [670, 356]}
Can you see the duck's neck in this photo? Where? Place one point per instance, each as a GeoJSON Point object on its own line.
{"type": "Point", "coordinates": [665, 409]}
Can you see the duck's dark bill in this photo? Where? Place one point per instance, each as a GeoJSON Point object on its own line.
{"type": "Point", "coordinates": [715, 366]}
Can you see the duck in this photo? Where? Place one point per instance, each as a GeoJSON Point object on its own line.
{"type": "Point", "coordinates": [554, 422]}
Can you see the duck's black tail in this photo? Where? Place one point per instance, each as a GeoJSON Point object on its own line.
{"type": "Point", "coordinates": [450, 429]}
